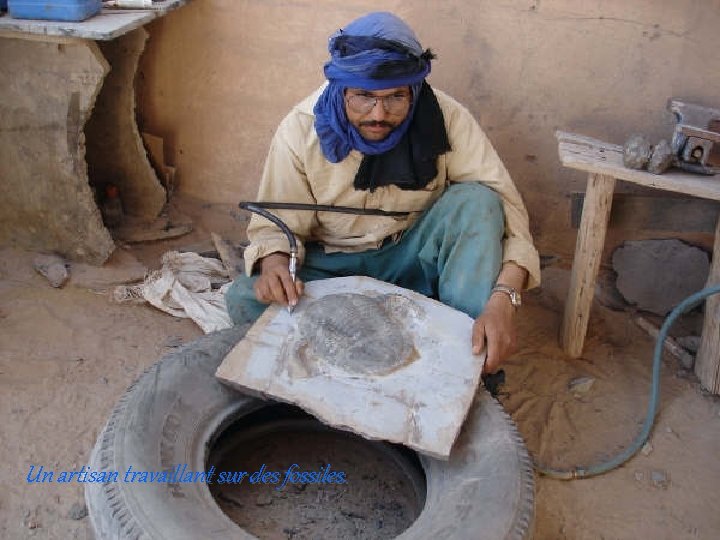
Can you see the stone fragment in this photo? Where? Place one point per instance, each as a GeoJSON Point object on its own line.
{"type": "Point", "coordinates": [656, 275]}
{"type": "Point", "coordinates": [661, 159]}
{"type": "Point", "coordinates": [636, 152]}
{"type": "Point", "coordinates": [365, 356]}
{"type": "Point", "coordinates": [660, 478]}
{"type": "Point", "coordinates": [646, 449]}
{"type": "Point", "coordinates": [53, 267]}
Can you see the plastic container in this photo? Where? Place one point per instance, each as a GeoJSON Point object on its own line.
{"type": "Point", "coordinates": [54, 10]}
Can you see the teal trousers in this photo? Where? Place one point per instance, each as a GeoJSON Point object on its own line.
{"type": "Point", "coordinates": [453, 253]}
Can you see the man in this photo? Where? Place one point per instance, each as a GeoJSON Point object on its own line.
{"type": "Point", "coordinates": [377, 136]}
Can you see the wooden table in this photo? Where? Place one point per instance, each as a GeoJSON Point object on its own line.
{"type": "Point", "coordinates": [604, 165]}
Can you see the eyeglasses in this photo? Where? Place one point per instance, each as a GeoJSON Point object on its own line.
{"type": "Point", "coordinates": [364, 103]}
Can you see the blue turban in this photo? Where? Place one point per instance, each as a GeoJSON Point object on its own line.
{"type": "Point", "coordinates": [374, 52]}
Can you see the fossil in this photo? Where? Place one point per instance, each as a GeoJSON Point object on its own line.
{"type": "Point", "coordinates": [358, 333]}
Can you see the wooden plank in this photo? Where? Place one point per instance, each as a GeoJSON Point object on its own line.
{"type": "Point", "coordinates": [707, 363]}
{"type": "Point", "coordinates": [588, 252]}
{"type": "Point", "coordinates": [232, 262]}
{"type": "Point", "coordinates": [595, 156]}
{"type": "Point", "coordinates": [634, 212]}
{"type": "Point", "coordinates": [108, 24]}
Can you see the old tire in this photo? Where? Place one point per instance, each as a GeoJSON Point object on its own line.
{"type": "Point", "coordinates": [173, 412]}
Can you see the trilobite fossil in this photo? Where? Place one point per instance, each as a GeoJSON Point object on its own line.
{"type": "Point", "coordinates": [357, 333]}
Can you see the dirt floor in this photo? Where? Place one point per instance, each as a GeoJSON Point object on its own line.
{"type": "Point", "coordinates": [67, 355]}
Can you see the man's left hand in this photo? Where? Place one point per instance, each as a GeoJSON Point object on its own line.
{"type": "Point", "coordinates": [495, 326]}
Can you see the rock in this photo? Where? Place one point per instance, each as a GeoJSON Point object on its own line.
{"type": "Point", "coordinates": [332, 358]}
{"type": "Point", "coordinates": [646, 449]}
{"type": "Point", "coordinates": [53, 267]}
{"type": "Point", "coordinates": [689, 343]}
{"type": "Point", "coordinates": [636, 152]}
{"type": "Point", "coordinates": [656, 275]}
{"type": "Point", "coordinates": [581, 385]}
{"type": "Point", "coordinates": [661, 159]}
{"type": "Point", "coordinates": [78, 511]}
{"type": "Point", "coordinates": [660, 478]}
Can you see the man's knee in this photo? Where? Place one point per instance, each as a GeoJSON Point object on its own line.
{"type": "Point", "coordinates": [474, 201]}
{"type": "Point", "coordinates": [242, 306]}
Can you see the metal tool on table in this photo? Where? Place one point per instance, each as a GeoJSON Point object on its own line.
{"type": "Point", "coordinates": [694, 146]}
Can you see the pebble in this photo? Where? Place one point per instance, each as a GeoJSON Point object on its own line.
{"type": "Point", "coordinates": [53, 267]}
{"type": "Point", "coordinates": [646, 449]}
{"type": "Point", "coordinates": [659, 478]}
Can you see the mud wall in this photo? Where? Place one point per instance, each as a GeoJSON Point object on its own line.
{"type": "Point", "coordinates": [218, 75]}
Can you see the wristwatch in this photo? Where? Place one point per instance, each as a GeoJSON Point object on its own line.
{"type": "Point", "coordinates": [513, 294]}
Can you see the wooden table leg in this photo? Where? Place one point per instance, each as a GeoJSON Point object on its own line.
{"type": "Point", "coordinates": [707, 363]}
{"type": "Point", "coordinates": [588, 252]}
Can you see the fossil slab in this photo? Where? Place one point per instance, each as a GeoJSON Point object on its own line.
{"type": "Point", "coordinates": [365, 356]}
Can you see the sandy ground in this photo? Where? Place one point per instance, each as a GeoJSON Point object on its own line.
{"type": "Point", "coordinates": [67, 355]}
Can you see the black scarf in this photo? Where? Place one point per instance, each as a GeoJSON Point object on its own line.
{"type": "Point", "coordinates": [412, 162]}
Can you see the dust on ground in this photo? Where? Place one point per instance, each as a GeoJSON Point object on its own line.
{"type": "Point", "coordinates": [67, 355]}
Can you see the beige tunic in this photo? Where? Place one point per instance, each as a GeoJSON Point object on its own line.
{"type": "Point", "coordinates": [296, 171]}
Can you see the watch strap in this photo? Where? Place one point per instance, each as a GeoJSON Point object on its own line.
{"type": "Point", "coordinates": [511, 292]}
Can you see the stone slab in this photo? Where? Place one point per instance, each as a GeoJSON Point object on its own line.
{"type": "Point", "coordinates": [47, 93]}
{"type": "Point", "coordinates": [115, 151]}
{"type": "Point", "coordinates": [656, 275]}
{"type": "Point", "coordinates": [365, 356]}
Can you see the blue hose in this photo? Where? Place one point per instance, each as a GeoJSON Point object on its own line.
{"type": "Point", "coordinates": [614, 462]}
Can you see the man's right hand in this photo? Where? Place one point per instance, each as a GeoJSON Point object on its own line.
{"type": "Point", "coordinates": [275, 284]}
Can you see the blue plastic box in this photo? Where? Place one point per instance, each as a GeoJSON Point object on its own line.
{"type": "Point", "coordinates": [54, 10]}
